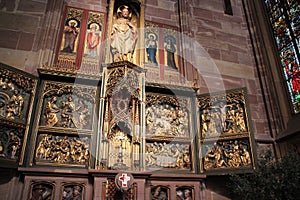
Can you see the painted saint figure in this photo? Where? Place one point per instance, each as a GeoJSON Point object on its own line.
{"type": "Point", "coordinates": [71, 32]}
{"type": "Point", "coordinates": [151, 48]}
{"type": "Point", "coordinates": [124, 36]}
{"type": "Point", "coordinates": [93, 40]}
{"type": "Point", "coordinates": [170, 49]}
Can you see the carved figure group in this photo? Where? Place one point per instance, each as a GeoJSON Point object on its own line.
{"type": "Point", "coordinates": [184, 194]}
{"type": "Point", "coordinates": [72, 193]}
{"type": "Point", "coordinates": [159, 193]}
{"type": "Point", "coordinates": [10, 148]}
{"type": "Point", "coordinates": [165, 120]}
{"type": "Point", "coordinates": [227, 155]}
{"type": "Point", "coordinates": [41, 192]}
{"type": "Point", "coordinates": [222, 119]}
{"type": "Point", "coordinates": [12, 107]}
{"type": "Point", "coordinates": [171, 156]}
{"type": "Point", "coordinates": [63, 150]}
{"type": "Point", "coordinates": [71, 114]}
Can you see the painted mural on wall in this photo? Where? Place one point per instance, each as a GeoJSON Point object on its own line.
{"type": "Point", "coordinates": [80, 41]}
{"type": "Point", "coordinates": [161, 46]}
{"type": "Point", "coordinates": [152, 44]}
{"type": "Point", "coordinates": [225, 134]}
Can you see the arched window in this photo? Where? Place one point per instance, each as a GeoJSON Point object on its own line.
{"type": "Point", "coordinates": [284, 16]}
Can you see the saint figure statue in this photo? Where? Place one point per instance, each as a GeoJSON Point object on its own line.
{"type": "Point", "coordinates": [124, 35]}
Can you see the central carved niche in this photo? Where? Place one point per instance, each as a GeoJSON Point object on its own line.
{"type": "Point", "coordinates": [121, 126]}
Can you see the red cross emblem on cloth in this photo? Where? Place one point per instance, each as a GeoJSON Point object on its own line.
{"type": "Point", "coordinates": [124, 181]}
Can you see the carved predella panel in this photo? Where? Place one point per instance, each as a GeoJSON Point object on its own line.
{"type": "Point", "coordinates": [159, 192]}
{"type": "Point", "coordinates": [72, 191]}
{"type": "Point", "coordinates": [41, 190]}
{"type": "Point", "coordinates": [11, 141]}
{"type": "Point", "coordinates": [223, 115]}
{"type": "Point", "coordinates": [167, 116]}
{"type": "Point", "coordinates": [184, 193]}
{"type": "Point", "coordinates": [62, 150]}
{"type": "Point", "coordinates": [227, 154]}
{"type": "Point", "coordinates": [171, 155]}
{"type": "Point", "coordinates": [16, 95]}
{"type": "Point", "coordinates": [67, 106]}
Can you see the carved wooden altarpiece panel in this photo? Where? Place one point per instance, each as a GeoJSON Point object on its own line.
{"type": "Point", "coordinates": [168, 132]}
{"type": "Point", "coordinates": [66, 124]}
{"type": "Point", "coordinates": [225, 131]}
{"type": "Point", "coordinates": [17, 91]}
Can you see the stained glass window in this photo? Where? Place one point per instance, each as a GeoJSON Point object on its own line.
{"type": "Point", "coordinates": [284, 16]}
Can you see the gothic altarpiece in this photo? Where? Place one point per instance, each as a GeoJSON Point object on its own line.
{"type": "Point", "coordinates": [104, 119]}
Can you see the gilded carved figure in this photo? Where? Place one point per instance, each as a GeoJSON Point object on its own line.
{"type": "Point", "coordinates": [15, 105]}
{"type": "Point", "coordinates": [51, 111]}
{"type": "Point", "coordinates": [124, 35]}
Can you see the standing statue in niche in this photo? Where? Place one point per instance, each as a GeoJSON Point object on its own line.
{"type": "Point", "coordinates": [124, 36]}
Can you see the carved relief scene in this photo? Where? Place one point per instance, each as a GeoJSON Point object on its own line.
{"type": "Point", "coordinates": [41, 191]}
{"type": "Point", "coordinates": [58, 149]}
{"type": "Point", "coordinates": [184, 193]}
{"type": "Point", "coordinates": [72, 192]}
{"type": "Point", "coordinates": [159, 193]}
{"type": "Point", "coordinates": [16, 93]}
{"type": "Point", "coordinates": [67, 106]}
{"type": "Point", "coordinates": [11, 142]}
{"type": "Point", "coordinates": [230, 154]}
{"type": "Point", "coordinates": [168, 155]}
{"type": "Point", "coordinates": [223, 115]}
{"type": "Point", "coordinates": [167, 116]}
